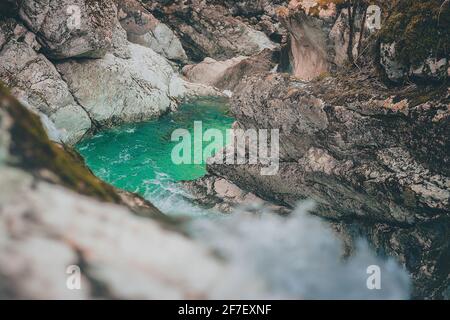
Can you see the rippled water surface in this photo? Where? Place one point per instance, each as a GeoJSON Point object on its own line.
{"type": "Point", "coordinates": [298, 257]}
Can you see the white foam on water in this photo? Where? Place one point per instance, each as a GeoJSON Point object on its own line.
{"type": "Point", "coordinates": [170, 198]}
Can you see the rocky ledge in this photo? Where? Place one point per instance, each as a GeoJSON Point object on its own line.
{"type": "Point", "coordinates": [349, 139]}
{"type": "Point", "coordinates": [357, 149]}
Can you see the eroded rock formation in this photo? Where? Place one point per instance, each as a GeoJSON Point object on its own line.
{"type": "Point", "coordinates": [209, 30]}
{"type": "Point", "coordinates": [356, 150]}
{"type": "Point", "coordinates": [365, 152]}
{"type": "Point", "coordinates": [73, 64]}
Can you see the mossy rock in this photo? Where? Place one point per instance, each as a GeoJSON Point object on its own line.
{"type": "Point", "coordinates": [420, 29]}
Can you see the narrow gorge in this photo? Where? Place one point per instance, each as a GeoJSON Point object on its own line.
{"type": "Point", "coordinates": [94, 93]}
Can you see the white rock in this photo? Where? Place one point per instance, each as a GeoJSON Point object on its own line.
{"type": "Point", "coordinates": [46, 228]}
{"type": "Point", "coordinates": [115, 90]}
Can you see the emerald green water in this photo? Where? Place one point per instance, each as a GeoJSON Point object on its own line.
{"type": "Point", "coordinates": [137, 157]}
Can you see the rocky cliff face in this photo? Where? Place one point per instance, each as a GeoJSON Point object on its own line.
{"type": "Point", "coordinates": [357, 150]}
{"type": "Point", "coordinates": [347, 140]}
{"type": "Point", "coordinates": [207, 29]}
{"type": "Point", "coordinates": [372, 155]}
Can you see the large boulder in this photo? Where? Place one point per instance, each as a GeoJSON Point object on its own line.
{"type": "Point", "coordinates": [226, 75]}
{"type": "Point", "coordinates": [71, 28]}
{"type": "Point", "coordinates": [37, 83]}
{"type": "Point", "coordinates": [209, 71]}
{"type": "Point", "coordinates": [115, 90]}
{"type": "Point", "coordinates": [356, 148]}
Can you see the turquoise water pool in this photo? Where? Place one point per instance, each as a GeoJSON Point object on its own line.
{"type": "Point", "coordinates": [137, 157]}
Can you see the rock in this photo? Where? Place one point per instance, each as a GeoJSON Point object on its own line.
{"type": "Point", "coordinates": [411, 41]}
{"type": "Point", "coordinates": [144, 29]}
{"type": "Point", "coordinates": [209, 71]}
{"type": "Point", "coordinates": [197, 92]}
{"type": "Point", "coordinates": [208, 30]}
{"type": "Point", "coordinates": [120, 43]}
{"type": "Point", "coordinates": [218, 194]}
{"type": "Point", "coordinates": [103, 240]}
{"type": "Point", "coordinates": [37, 83]}
{"type": "Point", "coordinates": [134, 18]}
{"type": "Point", "coordinates": [319, 37]}
{"type": "Point", "coordinates": [260, 14]}
{"type": "Point", "coordinates": [262, 62]}
{"type": "Point", "coordinates": [130, 83]}
{"type": "Point", "coordinates": [226, 75]}
{"type": "Point", "coordinates": [340, 38]}
{"type": "Point", "coordinates": [429, 69]}
{"type": "Point", "coordinates": [75, 28]}
{"type": "Point", "coordinates": [394, 70]}
{"type": "Point", "coordinates": [432, 68]}
{"type": "Point", "coordinates": [163, 41]}
{"type": "Point", "coordinates": [359, 151]}
{"type": "Point", "coordinates": [115, 90]}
